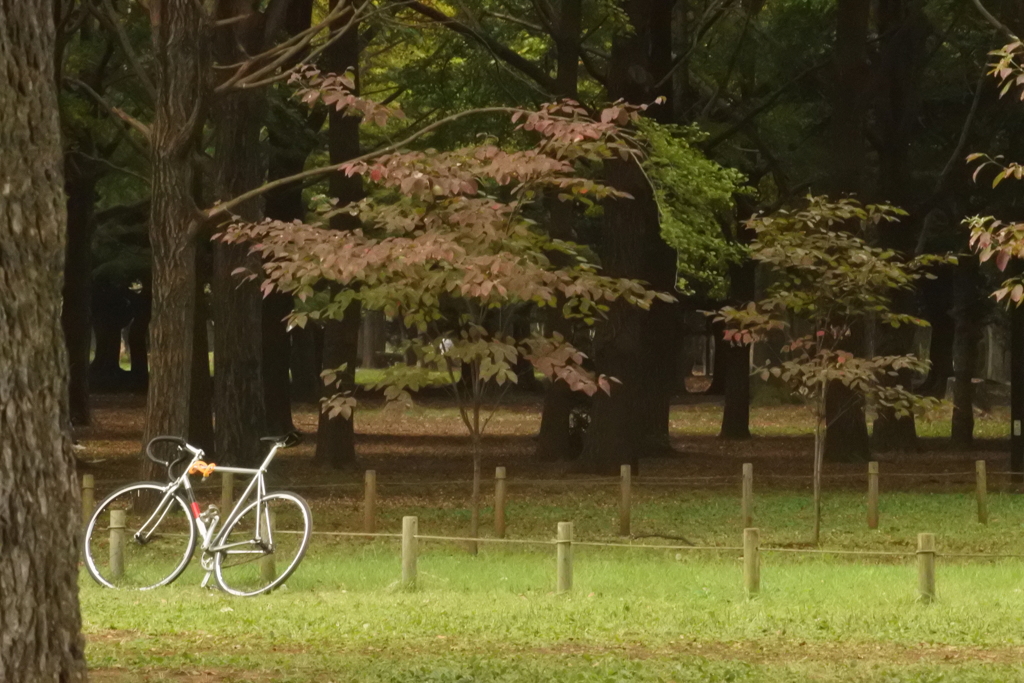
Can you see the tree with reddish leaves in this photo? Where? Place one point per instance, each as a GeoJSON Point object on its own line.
{"type": "Point", "coordinates": [448, 248]}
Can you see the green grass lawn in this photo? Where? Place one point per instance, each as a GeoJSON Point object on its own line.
{"type": "Point", "coordinates": [642, 616]}
{"type": "Point", "coordinates": [633, 615]}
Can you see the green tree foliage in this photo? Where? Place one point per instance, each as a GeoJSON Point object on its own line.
{"type": "Point", "coordinates": [695, 198]}
{"type": "Point", "coordinates": [825, 279]}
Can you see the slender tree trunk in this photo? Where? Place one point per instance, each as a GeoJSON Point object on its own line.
{"type": "Point", "coordinates": [335, 444]}
{"type": "Point", "coordinates": [276, 350]}
{"type": "Point", "coordinates": [200, 405]}
{"type": "Point", "coordinates": [138, 339]}
{"type": "Point", "coordinates": [967, 311]}
{"type": "Point", "coordinates": [40, 624]}
{"type": "Point", "coordinates": [305, 363]}
{"type": "Point", "coordinates": [820, 438]}
{"type": "Point", "coordinates": [182, 62]}
{"type": "Point", "coordinates": [76, 312]}
{"type": "Point", "coordinates": [474, 515]}
{"type": "Point", "coordinates": [111, 312]}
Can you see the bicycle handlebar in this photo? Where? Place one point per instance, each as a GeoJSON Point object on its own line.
{"type": "Point", "coordinates": [183, 451]}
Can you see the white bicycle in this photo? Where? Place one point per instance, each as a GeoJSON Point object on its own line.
{"type": "Point", "coordinates": [143, 535]}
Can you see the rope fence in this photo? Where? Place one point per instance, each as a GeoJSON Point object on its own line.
{"type": "Point", "coordinates": [625, 482]}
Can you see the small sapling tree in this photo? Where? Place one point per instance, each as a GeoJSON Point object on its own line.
{"type": "Point", "coordinates": [824, 281]}
{"type": "Point", "coordinates": [448, 248]}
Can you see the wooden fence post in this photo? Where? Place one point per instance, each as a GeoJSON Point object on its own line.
{"type": "Point", "coordinates": [88, 497]}
{"type": "Point", "coordinates": [564, 557]}
{"type": "Point", "coordinates": [117, 524]}
{"type": "Point", "coordinates": [499, 502]}
{"type": "Point", "coordinates": [981, 490]}
{"type": "Point", "coordinates": [926, 567]}
{"type": "Point", "coordinates": [872, 495]}
{"type": "Point", "coordinates": [410, 528]}
{"type": "Point", "coordinates": [751, 562]}
{"type": "Point", "coordinates": [227, 494]}
{"type": "Point", "coordinates": [268, 564]}
{"type": "Point", "coordinates": [370, 502]}
{"type": "Point", "coordinates": [747, 501]}
{"type": "Point", "coordinates": [625, 501]}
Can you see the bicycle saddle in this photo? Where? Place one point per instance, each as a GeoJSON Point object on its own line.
{"type": "Point", "coordinates": [285, 440]}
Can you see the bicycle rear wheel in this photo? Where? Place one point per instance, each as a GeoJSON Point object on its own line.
{"type": "Point", "coordinates": [153, 547]}
{"type": "Point", "coordinates": [250, 558]}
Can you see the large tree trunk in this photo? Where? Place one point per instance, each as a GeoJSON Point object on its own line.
{"type": "Point", "coordinates": [742, 289]}
{"type": "Point", "coordinates": [637, 348]}
{"type": "Point", "coordinates": [903, 30]}
{"type": "Point", "coordinates": [335, 443]}
{"type": "Point", "coordinates": [968, 308]}
{"type": "Point", "coordinates": [76, 312]}
{"type": "Point", "coordinates": [40, 625]}
{"type": "Point", "coordinates": [181, 57]}
{"type": "Point", "coordinates": [846, 437]}
{"type": "Point", "coordinates": [238, 406]}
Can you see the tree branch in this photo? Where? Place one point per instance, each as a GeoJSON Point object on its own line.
{"type": "Point", "coordinates": [1000, 26]}
{"type": "Point", "coordinates": [768, 102]}
{"type": "Point", "coordinates": [964, 134]}
{"type": "Point", "coordinates": [114, 111]}
{"type": "Point", "coordinates": [502, 52]}
{"type": "Point", "coordinates": [109, 18]}
{"type": "Point", "coordinates": [223, 208]}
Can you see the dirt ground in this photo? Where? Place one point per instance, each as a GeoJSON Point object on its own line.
{"type": "Point", "coordinates": [429, 444]}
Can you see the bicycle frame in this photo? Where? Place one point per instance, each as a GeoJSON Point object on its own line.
{"type": "Point", "coordinates": [212, 542]}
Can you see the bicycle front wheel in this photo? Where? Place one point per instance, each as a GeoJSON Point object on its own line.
{"type": "Point", "coordinates": [263, 545]}
{"type": "Point", "coordinates": [139, 538]}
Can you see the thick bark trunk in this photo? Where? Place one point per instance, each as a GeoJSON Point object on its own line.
{"type": "Point", "coordinates": [555, 441]}
{"type": "Point", "coordinates": [335, 444]}
{"type": "Point", "coordinates": [637, 348]}
{"type": "Point", "coordinates": [76, 312]}
{"type": "Point", "coordinates": [846, 436]}
{"type": "Point", "coordinates": [850, 104]}
{"type": "Point", "coordinates": [241, 417]}
{"type": "Point", "coordinates": [372, 338]}
{"type": "Point", "coordinates": [847, 433]}
{"type": "Point", "coordinates": [736, 414]}
{"type": "Point", "coordinates": [181, 59]}
{"type": "Point", "coordinates": [40, 624]}
{"type": "Point", "coordinates": [968, 308]}
{"type": "Point", "coordinates": [742, 288]}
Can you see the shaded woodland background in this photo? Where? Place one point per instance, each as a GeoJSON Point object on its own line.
{"type": "Point", "coordinates": [165, 115]}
